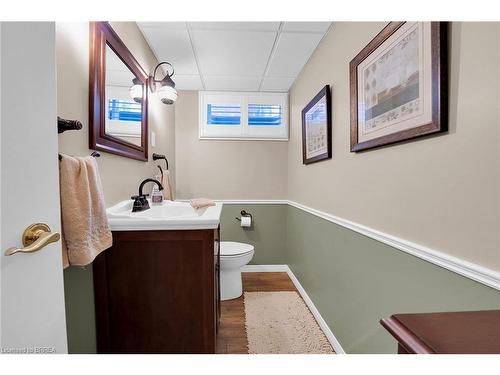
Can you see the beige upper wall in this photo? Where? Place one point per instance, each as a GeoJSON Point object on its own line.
{"type": "Point", "coordinates": [120, 176]}
{"type": "Point", "coordinates": [224, 169]}
{"type": "Point", "coordinates": [442, 192]}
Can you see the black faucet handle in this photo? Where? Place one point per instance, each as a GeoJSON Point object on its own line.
{"type": "Point", "coordinates": [134, 197]}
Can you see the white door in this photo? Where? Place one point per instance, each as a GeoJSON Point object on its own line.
{"type": "Point", "coordinates": [32, 290]}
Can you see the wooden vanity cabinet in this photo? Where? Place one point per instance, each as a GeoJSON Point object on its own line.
{"type": "Point", "coordinates": [158, 292]}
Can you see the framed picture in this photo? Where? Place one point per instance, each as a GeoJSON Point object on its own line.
{"type": "Point", "coordinates": [399, 86]}
{"type": "Point", "coordinates": [317, 128]}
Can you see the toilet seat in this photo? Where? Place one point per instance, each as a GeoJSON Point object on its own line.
{"type": "Point", "coordinates": [232, 249]}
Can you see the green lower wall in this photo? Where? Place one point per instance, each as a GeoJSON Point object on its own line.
{"type": "Point", "coordinates": [267, 234]}
{"type": "Point", "coordinates": [354, 281]}
{"type": "Point", "coordinates": [80, 317]}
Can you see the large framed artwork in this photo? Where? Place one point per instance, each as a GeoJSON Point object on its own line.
{"type": "Point", "coordinates": [317, 128]}
{"type": "Point", "coordinates": [399, 84]}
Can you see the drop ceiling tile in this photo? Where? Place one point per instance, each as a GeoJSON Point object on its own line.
{"type": "Point", "coordinates": [164, 25]}
{"type": "Point", "coordinates": [232, 53]}
{"type": "Point", "coordinates": [248, 26]}
{"type": "Point", "coordinates": [292, 52]}
{"type": "Point", "coordinates": [187, 82]}
{"type": "Point", "coordinates": [277, 84]}
{"type": "Point", "coordinates": [235, 83]}
{"type": "Point", "coordinates": [172, 45]}
{"type": "Point", "coordinates": [311, 27]}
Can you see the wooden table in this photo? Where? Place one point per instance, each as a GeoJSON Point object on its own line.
{"type": "Point", "coordinates": [474, 332]}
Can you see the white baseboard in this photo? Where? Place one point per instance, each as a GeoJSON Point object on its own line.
{"type": "Point", "coordinates": [265, 268]}
{"type": "Point", "coordinates": [321, 322]}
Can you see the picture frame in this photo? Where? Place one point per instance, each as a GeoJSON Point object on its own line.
{"type": "Point", "coordinates": [317, 128]}
{"type": "Point", "coordinates": [399, 85]}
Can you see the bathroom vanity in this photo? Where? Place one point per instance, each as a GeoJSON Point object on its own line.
{"type": "Point", "coordinates": [157, 289]}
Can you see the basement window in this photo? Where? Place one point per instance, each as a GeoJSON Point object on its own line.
{"type": "Point", "coordinates": [124, 110]}
{"type": "Point", "coordinates": [223, 114]}
{"type": "Point", "coordinates": [243, 115]}
{"type": "Point", "coordinates": [265, 115]}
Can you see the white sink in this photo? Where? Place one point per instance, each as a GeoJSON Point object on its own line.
{"type": "Point", "coordinates": [167, 216]}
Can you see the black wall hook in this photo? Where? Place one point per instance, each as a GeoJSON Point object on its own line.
{"type": "Point", "coordinates": [63, 125]}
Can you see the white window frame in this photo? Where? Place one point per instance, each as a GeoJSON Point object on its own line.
{"type": "Point", "coordinates": [243, 131]}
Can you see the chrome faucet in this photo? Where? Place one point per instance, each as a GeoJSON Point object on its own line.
{"type": "Point", "coordinates": [140, 201]}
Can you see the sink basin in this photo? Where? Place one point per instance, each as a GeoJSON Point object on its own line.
{"type": "Point", "coordinates": [166, 216]}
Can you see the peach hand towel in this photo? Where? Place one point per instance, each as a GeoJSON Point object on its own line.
{"type": "Point", "coordinates": [85, 228]}
{"type": "Point", "coordinates": [167, 187]}
{"type": "Point", "coordinates": [201, 203]}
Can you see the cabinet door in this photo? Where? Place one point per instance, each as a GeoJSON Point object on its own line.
{"type": "Point", "coordinates": [217, 277]}
{"type": "Point", "coordinates": [154, 293]}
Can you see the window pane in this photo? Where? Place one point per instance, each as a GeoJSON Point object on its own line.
{"type": "Point", "coordinates": [124, 110]}
{"type": "Point", "coordinates": [223, 114]}
{"type": "Point", "coordinates": [264, 115]}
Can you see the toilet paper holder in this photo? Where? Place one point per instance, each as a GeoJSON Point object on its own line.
{"type": "Point", "coordinates": [244, 213]}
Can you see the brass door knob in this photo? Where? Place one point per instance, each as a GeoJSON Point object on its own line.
{"type": "Point", "coordinates": [35, 237]}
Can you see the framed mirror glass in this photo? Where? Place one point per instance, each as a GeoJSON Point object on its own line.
{"type": "Point", "coordinates": [118, 96]}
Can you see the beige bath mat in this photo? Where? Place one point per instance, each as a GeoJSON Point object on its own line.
{"type": "Point", "coordinates": [281, 323]}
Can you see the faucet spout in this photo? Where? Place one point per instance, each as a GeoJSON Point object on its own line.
{"type": "Point", "coordinates": [149, 180]}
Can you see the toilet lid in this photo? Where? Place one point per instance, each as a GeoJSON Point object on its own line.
{"type": "Point", "coordinates": [228, 248]}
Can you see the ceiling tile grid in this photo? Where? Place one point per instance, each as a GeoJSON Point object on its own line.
{"type": "Point", "coordinates": [234, 56]}
{"type": "Point", "coordinates": [232, 53]}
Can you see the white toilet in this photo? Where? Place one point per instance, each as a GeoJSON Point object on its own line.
{"type": "Point", "coordinates": [233, 256]}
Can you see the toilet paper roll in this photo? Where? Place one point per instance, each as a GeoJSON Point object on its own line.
{"type": "Point", "coordinates": [246, 221]}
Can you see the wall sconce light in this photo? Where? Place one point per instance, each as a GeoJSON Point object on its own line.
{"type": "Point", "coordinates": [165, 86]}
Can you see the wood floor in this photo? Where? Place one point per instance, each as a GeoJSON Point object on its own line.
{"type": "Point", "coordinates": [232, 337]}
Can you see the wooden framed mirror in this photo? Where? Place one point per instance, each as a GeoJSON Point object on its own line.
{"type": "Point", "coordinates": [118, 122]}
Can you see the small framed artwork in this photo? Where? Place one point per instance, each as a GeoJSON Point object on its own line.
{"type": "Point", "coordinates": [398, 85]}
{"type": "Point", "coordinates": [317, 128]}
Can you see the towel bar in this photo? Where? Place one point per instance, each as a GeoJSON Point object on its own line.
{"type": "Point", "coordinates": [158, 157]}
{"type": "Point", "coordinates": [95, 154]}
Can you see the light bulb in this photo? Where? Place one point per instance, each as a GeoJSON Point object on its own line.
{"type": "Point", "coordinates": [167, 94]}
{"type": "Point", "coordinates": [136, 93]}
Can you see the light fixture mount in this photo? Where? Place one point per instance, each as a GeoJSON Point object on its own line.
{"type": "Point", "coordinates": [165, 86]}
